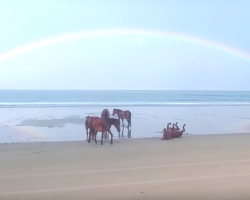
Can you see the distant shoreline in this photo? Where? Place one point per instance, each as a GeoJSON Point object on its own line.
{"type": "Point", "coordinates": [119, 90]}
{"type": "Point", "coordinates": [104, 105]}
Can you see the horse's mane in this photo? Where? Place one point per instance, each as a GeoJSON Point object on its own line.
{"type": "Point", "coordinates": [118, 109]}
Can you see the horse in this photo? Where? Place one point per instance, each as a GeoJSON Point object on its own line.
{"type": "Point", "coordinates": [123, 115]}
{"type": "Point", "coordinates": [167, 132]}
{"type": "Point", "coordinates": [102, 125]}
{"type": "Point", "coordinates": [175, 130]}
{"type": "Point", "coordinates": [105, 114]}
{"type": "Point", "coordinates": [178, 133]}
{"type": "Point", "coordinates": [88, 124]}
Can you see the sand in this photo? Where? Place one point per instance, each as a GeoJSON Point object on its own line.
{"type": "Point", "coordinates": [192, 167]}
{"type": "Point", "coordinates": [44, 155]}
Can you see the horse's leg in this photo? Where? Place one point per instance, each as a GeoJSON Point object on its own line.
{"type": "Point", "coordinates": [105, 135]}
{"type": "Point", "coordinates": [122, 122]}
{"type": "Point", "coordinates": [111, 142]}
{"type": "Point", "coordinates": [127, 121]}
{"type": "Point", "coordinates": [129, 133]}
{"type": "Point", "coordinates": [102, 138]}
{"type": "Point", "coordinates": [87, 134]}
{"type": "Point", "coordinates": [95, 137]}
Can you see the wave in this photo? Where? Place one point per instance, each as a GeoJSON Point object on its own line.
{"type": "Point", "coordinates": [113, 104]}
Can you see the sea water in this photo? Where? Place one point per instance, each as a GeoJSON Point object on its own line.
{"type": "Point", "coordinates": [57, 98]}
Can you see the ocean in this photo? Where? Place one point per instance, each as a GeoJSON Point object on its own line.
{"type": "Point", "coordinates": [83, 98]}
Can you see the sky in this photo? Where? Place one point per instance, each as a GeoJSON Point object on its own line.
{"type": "Point", "coordinates": [125, 44]}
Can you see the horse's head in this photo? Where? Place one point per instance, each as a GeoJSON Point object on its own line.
{"type": "Point", "coordinates": [114, 112]}
{"type": "Point", "coordinates": [117, 125]}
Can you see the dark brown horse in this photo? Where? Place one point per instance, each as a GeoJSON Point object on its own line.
{"type": "Point", "coordinates": [123, 115]}
{"type": "Point", "coordinates": [88, 124]}
{"type": "Point", "coordinates": [105, 114]}
{"type": "Point", "coordinates": [175, 129]}
{"type": "Point", "coordinates": [102, 125]}
{"type": "Point", "coordinates": [178, 134]}
{"type": "Point", "coordinates": [167, 132]}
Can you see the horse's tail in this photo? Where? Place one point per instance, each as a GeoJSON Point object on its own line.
{"type": "Point", "coordinates": [86, 122]}
{"type": "Point", "coordinates": [129, 119]}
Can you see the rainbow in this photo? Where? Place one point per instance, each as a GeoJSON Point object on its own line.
{"type": "Point", "coordinates": [21, 129]}
{"type": "Point", "coordinates": [28, 132]}
{"type": "Point", "coordinates": [243, 127]}
{"type": "Point", "coordinates": [125, 32]}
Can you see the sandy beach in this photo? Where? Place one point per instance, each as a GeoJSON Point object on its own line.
{"type": "Point", "coordinates": [192, 167]}
{"type": "Point", "coordinates": [44, 155]}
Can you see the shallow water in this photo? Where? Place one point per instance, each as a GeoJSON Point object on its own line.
{"type": "Point", "coordinates": [67, 123]}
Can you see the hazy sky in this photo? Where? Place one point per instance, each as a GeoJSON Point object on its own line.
{"type": "Point", "coordinates": [125, 61]}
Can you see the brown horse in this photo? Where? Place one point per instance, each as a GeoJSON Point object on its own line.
{"type": "Point", "coordinates": [123, 115]}
{"type": "Point", "coordinates": [105, 114]}
{"type": "Point", "coordinates": [88, 124]}
{"type": "Point", "coordinates": [179, 133]}
{"type": "Point", "coordinates": [177, 127]}
{"type": "Point", "coordinates": [102, 125]}
{"type": "Point", "coordinates": [175, 130]}
{"type": "Point", "coordinates": [167, 132]}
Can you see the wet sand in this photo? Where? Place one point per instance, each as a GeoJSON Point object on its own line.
{"type": "Point", "coordinates": [192, 167]}
{"type": "Point", "coordinates": [67, 123]}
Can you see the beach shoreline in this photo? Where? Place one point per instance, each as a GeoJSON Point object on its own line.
{"type": "Point", "coordinates": [67, 124]}
{"type": "Point", "coordinates": [85, 142]}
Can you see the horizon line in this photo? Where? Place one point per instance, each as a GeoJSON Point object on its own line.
{"type": "Point", "coordinates": [124, 90]}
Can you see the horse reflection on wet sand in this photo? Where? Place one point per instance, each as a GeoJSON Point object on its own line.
{"type": "Point", "coordinates": [128, 133]}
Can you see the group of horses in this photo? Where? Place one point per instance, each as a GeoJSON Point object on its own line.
{"type": "Point", "coordinates": [174, 132]}
{"type": "Point", "coordinates": [103, 124]}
